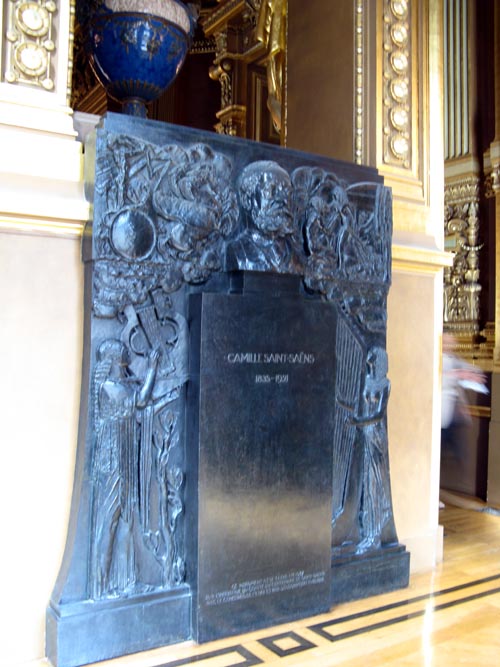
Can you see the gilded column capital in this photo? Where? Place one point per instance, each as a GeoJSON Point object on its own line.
{"type": "Point", "coordinates": [463, 191]}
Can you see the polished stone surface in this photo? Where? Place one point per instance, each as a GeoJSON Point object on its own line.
{"type": "Point", "coordinates": [266, 378]}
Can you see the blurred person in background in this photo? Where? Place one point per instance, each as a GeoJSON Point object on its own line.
{"type": "Point", "coordinates": [457, 376]}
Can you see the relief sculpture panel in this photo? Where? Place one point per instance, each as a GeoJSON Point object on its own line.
{"type": "Point", "coordinates": [166, 213]}
{"type": "Point", "coordinates": [178, 214]}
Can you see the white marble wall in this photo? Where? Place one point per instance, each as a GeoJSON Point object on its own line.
{"type": "Point", "coordinates": [40, 341]}
{"type": "Point", "coordinates": [42, 210]}
{"type": "Point", "coordinates": [413, 343]}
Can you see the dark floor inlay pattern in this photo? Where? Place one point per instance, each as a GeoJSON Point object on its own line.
{"type": "Point", "coordinates": [301, 644]}
{"type": "Point", "coordinates": [321, 628]}
{"type": "Point", "coordinates": [249, 658]}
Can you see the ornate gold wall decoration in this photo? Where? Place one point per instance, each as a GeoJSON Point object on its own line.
{"type": "Point", "coordinates": [226, 10]}
{"type": "Point", "coordinates": [463, 181]}
{"type": "Point", "coordinates": [492, 181]}
{"type": "Point", "coordinates": [271, 32]}
{"type": "Point", "coordinates": [69, 74]}
{"type": "Point", "coordinates": [230, 25]}
{"type": "Point", "coordinates": [461, 281]}
{"type": "Point", "coordinates": [30, 43]}
{"type": "Point", "coordinates": [231, 117]}
{"type": "Point", "coordinates": [222, 72]}
{"type": "Point", "coordinates": [250, 40]}
{"type": "Point", "coordinates": [397, 100]}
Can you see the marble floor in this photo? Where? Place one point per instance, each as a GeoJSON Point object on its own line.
{"type": "Point", "coordinates": [447, 617]}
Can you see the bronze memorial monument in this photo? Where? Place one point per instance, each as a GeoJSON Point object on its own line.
{"type": "Point", "coordinates": [232, 469]}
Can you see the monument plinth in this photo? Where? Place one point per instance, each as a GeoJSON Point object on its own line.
{"type": "Point", "coordinates": [232, 467]}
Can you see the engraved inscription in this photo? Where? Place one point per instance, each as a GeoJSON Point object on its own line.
{"type": "Point", "coordinates": [266, 586]}
{"type": "Point", "coordinates": [265, 358]}
{"type": "Point", "coordinates": [270, 358]}
{"type": "Point", "coordinates": [269, 379]}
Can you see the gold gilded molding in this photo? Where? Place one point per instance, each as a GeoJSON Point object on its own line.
{"type": "Point", "coordinates": [30, 46]}
{"type": "Point", "coordinates": [71, 42]}
{"type": "Point", "coordinates": [227, 10]}
{"type": "Point", "coordinates": [200, 46]}
{"type": "Point", "coordinates": [397, 84]}
{"type": "Point", "coordinates": [232, 120]}
{"type": "Point", "coordinates": [359, 83]}
{"type": "Point", "coordinates": [17, 224]}
{"type": "Point", "coordinates": [222, 72]}
{"type": "Point", "coordinates": [463, 191]}
{"type": "Point", "coordinates": [464, 185]}
{"type": "Point", "coordinates": [408, 117]}
{"type": "Point", "coordinates": [418, 260]}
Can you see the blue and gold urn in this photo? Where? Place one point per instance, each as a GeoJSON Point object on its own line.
{"type": "Point", "coordinates": [137, 47]}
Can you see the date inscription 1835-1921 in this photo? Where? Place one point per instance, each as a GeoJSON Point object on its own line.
{"type": "Point", "coordinates": [179, 213]}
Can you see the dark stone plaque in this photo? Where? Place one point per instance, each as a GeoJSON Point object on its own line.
{"type": "Point", "coordinates": [266, 379]}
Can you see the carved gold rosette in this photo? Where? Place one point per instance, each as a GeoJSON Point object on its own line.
{"type": "Point", "coordinates": [30, 43]}
{"type": "Point", "coordinates": [461, 281]}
